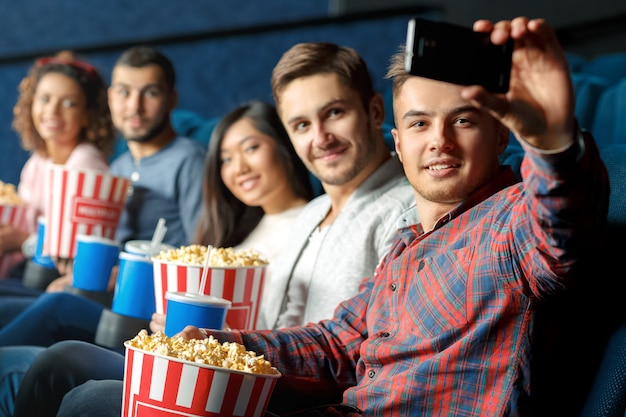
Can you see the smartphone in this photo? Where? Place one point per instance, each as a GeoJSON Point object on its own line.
{"type": "Point", "coordinates": [456, 54]}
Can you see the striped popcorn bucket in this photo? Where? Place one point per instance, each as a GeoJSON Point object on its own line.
{"type": "Point", "coordinates": [242, 286]}
{"type": "Point", "coordinates": [15, 216]}
{"type": "Point", "coordinates": [86, 202]}
{"type": "Point", "coordinates": [157, 385]}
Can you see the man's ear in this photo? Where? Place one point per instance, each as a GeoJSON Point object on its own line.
{"type": "Point", "coordinates": [174, 100]}
{"type": "Point", "coordinates": [396, 141]}
{"type": "Point", "coordinates": [377, 110]}
{"type": "Point", "coordinates": [85, 119]}
{"type": "Point", "coordinates": [110, 94]}
{"type": "Point", "coordinates": [504, 135]}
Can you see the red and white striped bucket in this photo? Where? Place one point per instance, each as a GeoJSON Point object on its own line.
{"type": "Point", "coordinates": [242, 286]}
{"type": "Point", "coordinates": [157, 385]}
{"type": "Point", "coordinates": [86, 202]}
{"type": "Point", "coordinates": [16, 217]}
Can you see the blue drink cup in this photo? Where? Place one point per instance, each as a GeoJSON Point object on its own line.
{"type": "Point", "coordinates": [185, 308]}
{"type": "Point", "coordinates": [95, 258]}
{"type": "Point", "coordinates": [134, 289]}
{"type": "Point", "coordinates": [40, 271]}
{"type": "Point", "coordinates": [39, 258]}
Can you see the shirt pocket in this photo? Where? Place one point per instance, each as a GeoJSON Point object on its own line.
{"type": "Point", "coordinates": [436, 296]}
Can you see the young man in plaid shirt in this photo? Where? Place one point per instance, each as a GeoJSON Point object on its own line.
{"type": "Point", "coordinates": [444, 327]}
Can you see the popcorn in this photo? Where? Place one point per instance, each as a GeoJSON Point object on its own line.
{"type": "Point", "coordinates": [209, 351]}
{"type": "Point", "coordinates": [221, 257]}
{"type": "Point", "coordinates": [9, 196]}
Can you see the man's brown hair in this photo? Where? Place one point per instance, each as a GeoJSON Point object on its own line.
{"type": "Point", "coordinates": [396, 70]}
{"type": "Point", "coordinates": [305, 59]}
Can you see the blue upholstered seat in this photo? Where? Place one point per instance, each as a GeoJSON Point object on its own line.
{"type": "Point", "coordinates": [610, 66]}
{"type": "Point", "coordinates": [614, 157]}
{"type": "Point", "coordinates": [575, 61]}
{"type": "Point", "coordinates": [609, 124]}
{"type": "Point", "coordinates": [588, 89]}
{"type": "Point", "coordinates": [607, 396]}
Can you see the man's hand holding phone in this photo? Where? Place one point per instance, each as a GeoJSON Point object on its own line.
{"type": "Point", "coordinates": [524, 82]}
{"type": "Point", "coordinates": [458, 55]}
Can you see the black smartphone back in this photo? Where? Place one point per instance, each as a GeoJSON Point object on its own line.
{"type": "Point", "coordinates": [458, 55]}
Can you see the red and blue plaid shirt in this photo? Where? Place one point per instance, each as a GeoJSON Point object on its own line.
{"type": "Point", "coordinates": [443, 328]}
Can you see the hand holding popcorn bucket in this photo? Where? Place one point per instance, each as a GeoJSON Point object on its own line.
{"type": "Point", "coordinates": [12, 212]}
{"type": "Point", "coordinates": [194, 378]}
{"type": "Point", "coordinates": [237, 276]}
{"type": "Point", "coordinates": [82, 202]}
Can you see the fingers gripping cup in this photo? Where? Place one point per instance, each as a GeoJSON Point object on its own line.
{"type": "Point", "coordinates": [185, 308]}
{"type": "Point", "coordinates": [14, 215]}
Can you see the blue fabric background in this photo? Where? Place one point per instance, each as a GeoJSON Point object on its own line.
{"type": "Point", "coordinates": [223, 51]}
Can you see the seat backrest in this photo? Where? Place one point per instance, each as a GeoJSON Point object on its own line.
{"type": "Point", "coordinates": [571, 330]}
{"type": "Point", "coordinates": [614, 157]}
{"type": "Point", "coordinates": [607, 394]}
{"type": "Point", "coordinates": [575, 61]}
{"type": "Point", "coordinates": [609, 123]}
{"type": "Point", "coordinates": [588, 89]}
{"type": "Point", "coordinates": [610, 66]}
{"type": "Point", "coordinates": [607, 397]}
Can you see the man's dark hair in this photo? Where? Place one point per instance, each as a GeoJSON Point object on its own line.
{"type": "Point", "coordinates": [141, 56]}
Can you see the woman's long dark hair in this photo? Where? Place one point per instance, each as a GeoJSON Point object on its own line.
{"type": "Point", "coordinates": [226, 221]}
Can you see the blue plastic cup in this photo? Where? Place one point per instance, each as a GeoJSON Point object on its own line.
{"type": "Point", "coordinates": [38, 257]}
{"type": "Point", "coordinates": [185, 308]}
{"type": "Point", "coordinates": [134, 289]}
{"type": "Point", "coordinates": [95, 258]}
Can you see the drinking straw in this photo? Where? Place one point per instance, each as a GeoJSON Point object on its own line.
{"type": "Point", "coordinates": [157, 236]}
{"type": "Point", "coordinates": [205, 271]}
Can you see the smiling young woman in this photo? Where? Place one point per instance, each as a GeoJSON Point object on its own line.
{"type": "Point", "coordinates": [62, 117]}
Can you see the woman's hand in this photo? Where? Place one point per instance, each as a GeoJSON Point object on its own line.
{"type": "Point", "coordinates": [64, 265]}
{"type": "Point", "coordinates": [11, 238]}
{"type": "Point", "coordinates": [157, 324]}
{"type": "Point", "coordinates": [192, 332]}
{"type": "Point", "coordinates": [59, 284]}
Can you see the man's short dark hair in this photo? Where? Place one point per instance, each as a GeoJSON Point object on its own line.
{"type": "Point", "coordinates": [142, 56]}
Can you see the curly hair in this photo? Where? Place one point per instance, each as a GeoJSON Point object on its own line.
{"type": "Point", "coordinates": [99, 131]}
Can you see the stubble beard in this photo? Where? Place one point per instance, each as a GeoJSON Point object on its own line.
{"type": "Point", "coordinates": [152, 133]}
{"type": "Point", "coordinates": [448, 193]}
{"type": "Point", "coordinates": [340, 174]}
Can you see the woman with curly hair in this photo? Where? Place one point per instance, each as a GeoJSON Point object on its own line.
{"type": "Point", "coordinates": [62, 117]}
